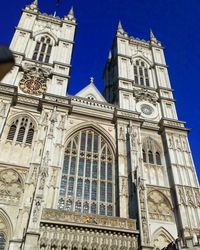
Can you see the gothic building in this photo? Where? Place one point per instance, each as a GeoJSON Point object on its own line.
{"type": "Point", "coordinates": [92, 172]}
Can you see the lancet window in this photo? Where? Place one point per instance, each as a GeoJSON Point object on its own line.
{"type": "Point", "coordinates": [141, 74]}
{"type": "Point", "coordinates": [21, 130]}
{"type": "Point", "coordinates": [43, 49]}
{"type": "Point", "coordinates": [88, 182]}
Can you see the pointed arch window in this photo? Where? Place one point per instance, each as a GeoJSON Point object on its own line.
{"type": "Point", "coordinates": [21, 131]}
{"type": "Point", "coordinates": [158, 159]}
{"type": "Point", "coordinates": [88, 174]}
{"type": "Point", "coordinates": [141, 75]}
{"type": "Point", "coordinates": [150, 155]}
{"type": "Point", "coordinates": [43, 50]}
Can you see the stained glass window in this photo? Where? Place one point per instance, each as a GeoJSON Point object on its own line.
{"type": "Point", "coordinates": [87, 183]}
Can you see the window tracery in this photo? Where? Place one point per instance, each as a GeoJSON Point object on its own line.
{"type": "Point", "coordinates": [43, 50]}
{"type": "Point", "coordinates": [141, 74]}
{"type": "Point", "coordinates": [87, 183]}
{"type": "Point", "coordinates": [159, 207]}
{"type": "Point", "coordinates": [154, 169]}
{"type": "Point", "coordinates": [21, 130]}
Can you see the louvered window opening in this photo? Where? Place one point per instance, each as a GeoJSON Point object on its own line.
{"type": "Point", "coordinates": [88, 182]}
{"type": "Point", "coordinates": [21, 131]}
{"type": "Point", "coordinates": [141, 75]}
{"type": "Point", "coordinates": [43, 50]}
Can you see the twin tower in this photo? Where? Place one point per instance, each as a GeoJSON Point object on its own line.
{"type": "Point", "coordinates": [92, 171]}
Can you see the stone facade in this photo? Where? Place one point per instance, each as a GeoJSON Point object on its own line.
{"type": "Point", "coordinates": [87, 171]}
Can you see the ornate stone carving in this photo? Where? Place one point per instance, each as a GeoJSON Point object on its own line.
{"type": "Point", "coordinates": [182, 196]}
{"type": "Point", "coordinates": [122, 133]}
{"type": "Point", "coordinates": [145, 95]}
{"type": "Point", "coordinates": [133, 137]}
{"type": "Point", "coordinates": [61, 236]}
{"type": "Point", "coordinates": [10, 183]}
{"type": "Point", "coordinates": [36, 210]}
{"type": "Point", "coordinates": [159, 207]}
{"type": "Point", "coordinates": [2, 108]}
{"type": "Point", "coordinates": [101, 221]}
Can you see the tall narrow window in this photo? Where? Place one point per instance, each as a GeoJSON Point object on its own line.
{"type": "Point", "coordinates": [88, 174]}
{"type": "Point", "coordinates": [141, 75]}
{"type": "Point", "coordinates": [42, 50]}
{"type": "Point", "coordinates": [21, 131]}
{"type": "Point", "coordinates": [158, 159]}
{"type": "Point", "coordinates": [150, 154]}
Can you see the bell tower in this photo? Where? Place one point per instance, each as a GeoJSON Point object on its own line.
{"type": "Point", "coordinates": [161, 168]}
{"type": "Point", "coordinates": [42, 46]}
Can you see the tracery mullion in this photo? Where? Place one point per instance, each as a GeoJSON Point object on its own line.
{"type": "Point", "coordinates": [17, 130]}
{"type": "Point", "coordinates": [68, 174]}
{"type": "Point", "coordinates": [26, 130]}
{"type": "Point", "coordinates": [98, 176]}
{"type": "Point", "coordinates": [90, 178]}
{"type": "Point", "coordinates": [106, 180]}
{"type": "Point", "coordinates": [76, 177]}
{"type": "Point", "coordinates": [39, 50]}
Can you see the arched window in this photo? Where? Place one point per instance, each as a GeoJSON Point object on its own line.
{"type": "Point", "coordinates": [150, 155]}
{"type": "Point", "coordinates": [144, 155]}
{"type": "Point", "coordinates": [42, 50]}
{"type": "Point", "coordinates": [21, 131]}
{"type": "Point", "coordinates": [87, 183]}
{"type": "Point", "coordinates": [158, 159]}
{"type": "Point", "coordinates": [141, 75]}
{"type": "Point", "coordinates": [151, 152]}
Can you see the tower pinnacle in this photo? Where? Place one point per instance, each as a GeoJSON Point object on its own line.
{"type": "Point", "coordinates": [70, 15]}
{"type": "Point", "coordinates": [120, 29]}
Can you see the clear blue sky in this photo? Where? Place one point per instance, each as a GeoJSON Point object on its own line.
{"type": "Point", "coordinates": [176, 23]}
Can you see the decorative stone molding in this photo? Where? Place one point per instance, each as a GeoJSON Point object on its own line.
{"type": "Point", "coordinates": [145, 95]}
{"type": "Point", "coordinates": [11, 184]}
{"type": "Point", "coordinates": [113, 223]}
{"type": "Point", "coordinates": [57, 236]}
{"type": "Point", "coordinates": [159, 207]}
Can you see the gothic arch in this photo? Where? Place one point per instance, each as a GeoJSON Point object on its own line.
{"type": "Point", "coordinates": [20, 114]}
{"type": "Point", "coordinates": [161, 238]}
{"type": "Point", "coordinates": [95, 126]}
{"type": "Point", "coordinates": [145, 59]}
{"type": "Point", "coordinates": [151, 143]}
{"type": "Point", "coordinates": [37, 35]}
{"type": "Point", "coordinates": [6, 228]}
{"type": "Point", "coordinates": [159, 206]}
{"type": "Point", "coordinates": [12, 182]}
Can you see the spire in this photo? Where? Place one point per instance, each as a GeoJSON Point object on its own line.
{"type": "Point", "coordinates": [152, 35]}
{"type": "Point", "coordinates": [120, 30]}
{"type": "Point", "coordinates": [33, 5]}
{"type": "Point", "coordinates": [35, 2]}
{"type": "Point", "coordinates": [70, 15]}
{"type": "Point", "coordinates": [71, 12]}
{"type": "Point", "coordinates": [120, 25]}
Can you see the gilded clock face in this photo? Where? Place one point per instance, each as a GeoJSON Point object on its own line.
{"type": "Point", "coordinates": [33, 86]}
